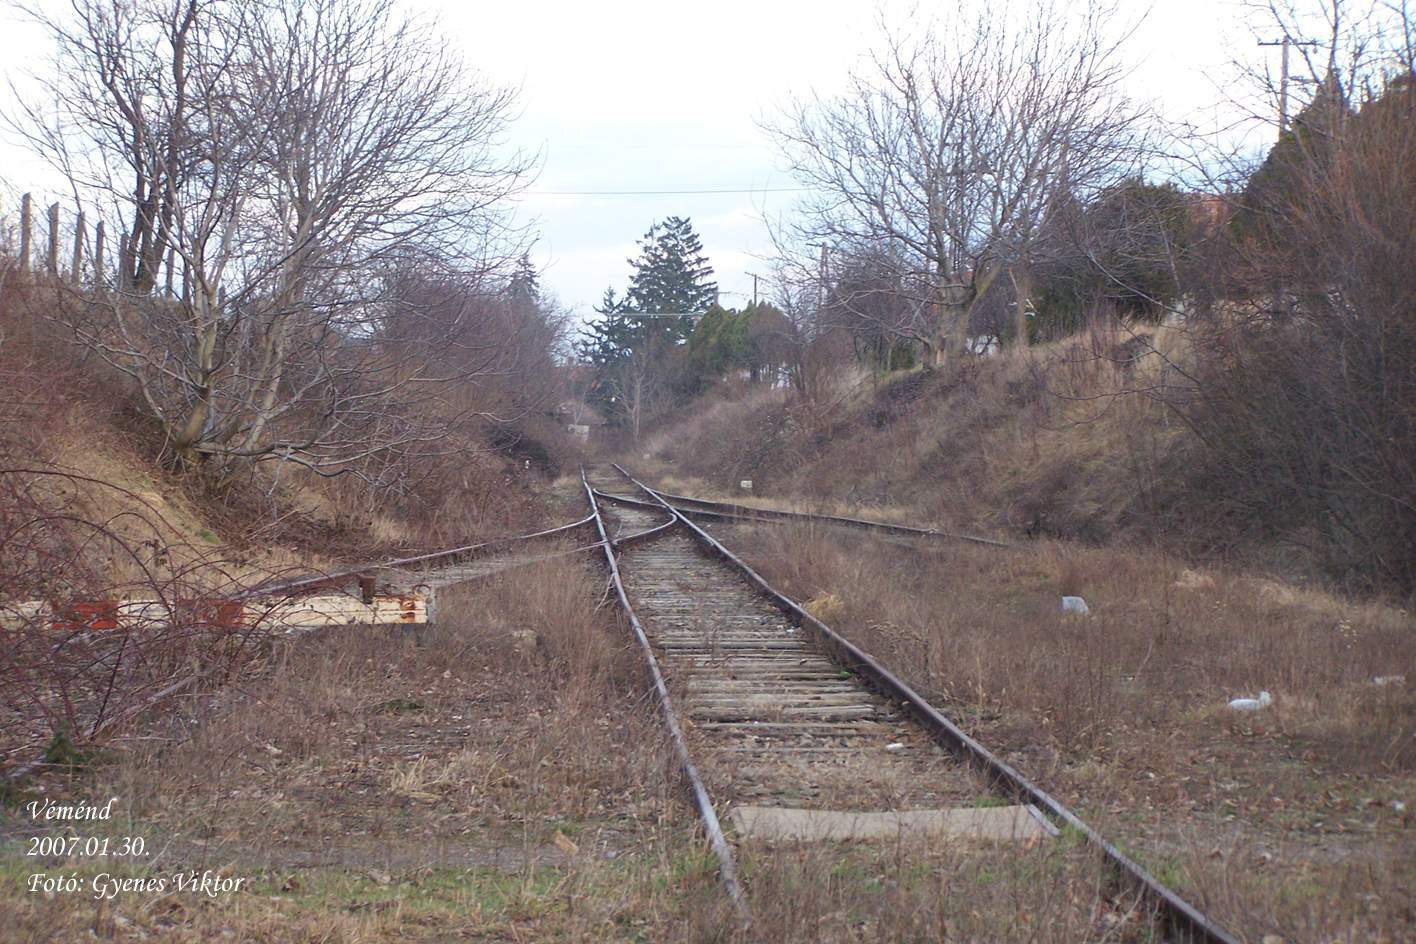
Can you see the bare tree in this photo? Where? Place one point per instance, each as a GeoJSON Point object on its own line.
{"type": "Point", "coordinates": [869, 298]}
{"type": "Point", "coordinates": [946, 155]}
{"type": "Point", "coordinates": [1301, 386]}
{"type": "Point", "coordinates": [812, 345]}
{"type": "Point", "coordinates": [1351, 43]}
{"type": "Point", "coordinates": [639, 383]}
{"type": "Point", "coordinates": [290, 162]}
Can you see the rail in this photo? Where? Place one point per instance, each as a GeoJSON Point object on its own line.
{"type": "Point", "coordinates": [722, 509]}
{"type": "Point", "coordinates": [1184, 919]}
{"type": "Point", "coordinates": [727, 867]}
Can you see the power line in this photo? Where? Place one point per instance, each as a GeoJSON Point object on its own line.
{"type": "Point", "coordinates": [661, 193]}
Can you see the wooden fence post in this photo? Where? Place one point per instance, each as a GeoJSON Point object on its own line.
{"type": "Point", "coordinates": [98, 255]}
{"type": "Point", "coordinates": [54, 239]}
{"type": "Point", "coordinates": [76, 268]}
{"type": "Point", "coordinates": [25, 213]}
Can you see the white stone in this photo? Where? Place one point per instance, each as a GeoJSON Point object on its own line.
{"type": "Point", "coordinates": [1251, 704]}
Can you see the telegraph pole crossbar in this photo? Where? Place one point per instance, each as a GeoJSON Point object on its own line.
{"type": "Point", "coordinates": [1287, 42]}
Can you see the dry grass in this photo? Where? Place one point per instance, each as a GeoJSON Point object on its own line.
{"type": "Point", "coordinates": [501, 776]}
{"type": "Point", "coordinates": [1290, 821]}
{"type": "Point", "coordinates": [497, 777]}
{"type": "Point", "coordinates": [1066, 440]}
{"type": "Point", "coordinates": [904, 892]}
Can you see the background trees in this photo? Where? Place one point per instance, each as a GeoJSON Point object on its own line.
{"type": "Point", "coordinates": [870, 300]}
{"type": "Point", "coordinates": [1130, 251]}
{"type": "Point", "coordinates": [950, 150]}
{"type": "Point", "coordinates": [289, 168]}
{"type": "Point", "coordinates": [755, 341]}
{"type": "Point", "coordinates": [635, 347]}
{"type": "Point", "coordinates": [1307, 407]}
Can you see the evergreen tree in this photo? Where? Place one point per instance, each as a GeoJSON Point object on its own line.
{"type": "Point", "coordinates": [1126, 249]}
{"type": "Point", "coordinates": [611, 339]}
{"type": "Point", "coordinates": [671, 277]}
{"type": "Point", "coordinates": [633, 346]}
{"type": "Point", "coordinates": [724, 340]}
{"type": "Point", "coordinates": [1302, 150]}
{"type": "Point", "coordinates": [671, 274]}
{"type": "Point", "coordinates": [525, 285]}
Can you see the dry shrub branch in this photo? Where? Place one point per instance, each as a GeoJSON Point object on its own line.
{"type": "Point", "coordinates": [103, 618]}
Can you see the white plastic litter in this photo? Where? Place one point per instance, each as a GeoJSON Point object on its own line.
{"type": "Point", "coordinates": [1251, 704]}
{"type": "Point", "coordinates": [896, 746]}
{"type": "Point", "coordinates": [1075, 605]}
{"type": "Point", "coordinates": [1389, 680]}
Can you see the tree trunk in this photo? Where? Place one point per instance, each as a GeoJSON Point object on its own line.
{"type": "Point", "coordinates": [1022, 292]}
{"type": "Point", "coordinates": [953, 323]}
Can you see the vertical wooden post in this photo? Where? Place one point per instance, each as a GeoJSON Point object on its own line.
{"type": "Point", "coordinates": [98, 256]}
{"type": "Point", "coordinates": [54, 239]}
{"type": "Point", "coordinates": [125, 264]}
{"type": "Point", "coordinates": [25, 214]}
{"type": "Point", "coordinates": [77, 266]}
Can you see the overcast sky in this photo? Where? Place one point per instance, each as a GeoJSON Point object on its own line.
{"type": "Point", "coordinates": [654, 95]}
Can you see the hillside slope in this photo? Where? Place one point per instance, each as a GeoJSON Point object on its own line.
{"type": "Point", "coordinates": [78, 455]}
{"type": "Point", "coordinates": [1071, 440]}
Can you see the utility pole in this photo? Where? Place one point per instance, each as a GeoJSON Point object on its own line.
{"type": "Point", "coordinates": [754, 287]}
{"type": "Point", "coordinates": [821, 281]}
{"type": "Point", "coordinates": [1287, 42]}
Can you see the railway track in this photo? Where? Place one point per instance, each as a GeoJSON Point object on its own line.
{"type": "Point", "coordinates": [709, 508]}
{"type": "Point", "coordinates": [794, 733]}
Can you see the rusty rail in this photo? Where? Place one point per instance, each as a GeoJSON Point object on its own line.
{"type": "Point", "coordinates": [1186, 921]}
{"type": "Point", "coordinates": [364, 577]}
{"type": "Point", "coordinates": [727, 867]}
{"type": "Point", "coordinates": [722, 509]}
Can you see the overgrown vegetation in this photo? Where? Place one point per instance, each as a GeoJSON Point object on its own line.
{"type": "Point", "coordinates": [1227, 370]}
{"type": "Point", "coordinates": [1304, 392]}
{"type": "Point", "coordinates": [1122, 713]}
{"type": "Point", "coordinates": [307, 338]}
{"type": "Point", "coordinates": [300, 326]}
{"type": "Point", "coordinates": [495, 776]}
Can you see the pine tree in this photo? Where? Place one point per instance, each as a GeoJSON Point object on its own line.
{"type": "Point", "coordinates": [633, 346]}
{"type": "Point", "coordinates": [612, 338]}
{"type": "Point", "coordinates": [671, 275]}
{"type": "Point", "coordinates": [1302, 150]}
{"type": "Point", "coordinates": [525, 285]}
